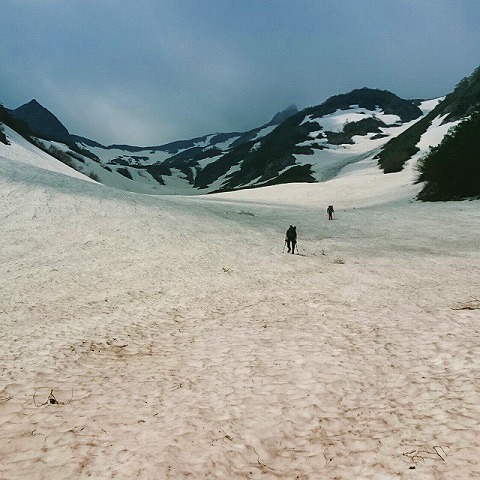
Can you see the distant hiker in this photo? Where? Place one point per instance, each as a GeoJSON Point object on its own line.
{"type": "Point", "coordinates": [330, 211]}
{"type": "Point", "coordinates": [291, 238]}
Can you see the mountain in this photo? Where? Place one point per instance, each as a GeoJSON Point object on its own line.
{"type": "Point", "coordinates": [172, 166]}
{"type": "Point", "coordinates": [294, 146]}
{"type": "Point", "coordinates": [283, 115]}
{"type": "Point", "coordinates": [282, 155]}
{"type": "Point", "coordinates": [312, 145]}
{"type": "Point", "coordinates": [451, 170]}
{"type": "Point", "coordinates": [161, 337]}
{"type": "Point", "coordinates": [42, 121]}
{"type": "Point", "coordinates": [455, 106]}
{"type": "Point", "coordinates": [6, 118]}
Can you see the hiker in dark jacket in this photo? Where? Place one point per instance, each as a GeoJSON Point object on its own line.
{"type": "Point", "coordinates": [330, 212]}
{"type": "Point", "coordinates": [291, 238]}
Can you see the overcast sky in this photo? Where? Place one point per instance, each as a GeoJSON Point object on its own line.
{"type": "Point", "coordinates": [147, 72]}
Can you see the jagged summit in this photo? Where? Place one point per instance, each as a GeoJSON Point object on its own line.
{"type": "Point", "coordinates": [34, 103]}
{"type": "Point", "coordinates": [42, 121]}
{"type": "Point", "coordinates": [283, 115]}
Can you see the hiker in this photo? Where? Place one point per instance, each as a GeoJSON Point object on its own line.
{"type": "Point", "coordinates": [330, 212]}
{"type": "Point", "coordinates": [291, 238]}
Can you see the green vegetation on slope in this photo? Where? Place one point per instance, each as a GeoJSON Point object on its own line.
{"type": "Point", "coordinates": [369, 99]}
{"type": "Point", "coordinates": [452, 169]}
{"type": "Point", "coordinates": [3, 137]}
{"type": "Point", "coordinates": [276, 151]}
{"type": "Point", "coordinates": [454, 106]}
{"type": "Point", "coordinates": [18, 125]}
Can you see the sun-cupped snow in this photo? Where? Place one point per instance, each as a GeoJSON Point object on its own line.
{"type": "Point", "coordinates": [178, 320]}
{"type": "Point", "coordinates": [180, 323]}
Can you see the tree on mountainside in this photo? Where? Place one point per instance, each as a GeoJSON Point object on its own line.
{"type": "Point", "coordinates": [451, 171]}
{"type": "Point", "coordinates": [3, 137]}
{"type": "Point", "coordinates": [465, 97]}
{"type": "Point", "coordinates": [18, 125]}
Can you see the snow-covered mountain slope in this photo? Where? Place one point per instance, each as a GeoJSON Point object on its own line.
{"type": "Point", "coordinates": [312, 145]}
{"type": "Point", "coordinates": [329, 162]}
{"type": "Point", "coordinates": [347, 175]}
{"type": "Point", "coordinates": [368, 127]}
{"type": "Point", "coordinates": [157, 171]}
{"type": "Point", "coordinates": [454, 107]}
{"type": "Point", "coordinates": [327, 143]}
{"type": "Point", "coordinates": [169, 169]}
{"type": "Point", "coordinates": [23, 151]}
{"type": "Point", "coordinates": [177, 321]}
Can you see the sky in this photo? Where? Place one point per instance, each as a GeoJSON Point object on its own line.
{"type": "Point", "coordinates": [153, 71]}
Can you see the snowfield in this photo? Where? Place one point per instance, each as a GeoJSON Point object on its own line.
{"type": "Point", "coordinates": [169, 337]}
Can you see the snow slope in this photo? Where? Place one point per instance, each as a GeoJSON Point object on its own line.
{"type": "Point", "coordinates": [22, 151]}
{"type": "Point", "coordinates": [180, 342]}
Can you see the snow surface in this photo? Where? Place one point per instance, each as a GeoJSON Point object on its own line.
{"type": "Point", "coordinates": [182, 343]}
{"type": "Point", "coordinates": [264, 131]}
{"type": "Point", "coordinates": [428, 105]}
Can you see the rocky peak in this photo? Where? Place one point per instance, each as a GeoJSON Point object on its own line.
{"type": "Point", "coordinates": [283, 115]}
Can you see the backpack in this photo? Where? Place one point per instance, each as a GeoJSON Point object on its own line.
{"type": "Point", "coordinates": [292, 233]}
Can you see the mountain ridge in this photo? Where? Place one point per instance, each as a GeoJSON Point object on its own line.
{"type": "Point", "coordinates": [265, 155]}
{"type": "Point", "coordinates": [311, 145]}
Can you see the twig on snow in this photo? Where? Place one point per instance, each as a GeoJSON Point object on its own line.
{"type": "Point", "coordinates": [471, 305]}
{"type": "Point", "coordinates": [51, 400]}
{"type": "Point", "coordinates": [438, 451]}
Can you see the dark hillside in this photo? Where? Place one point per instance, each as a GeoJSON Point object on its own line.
{"type": "Point", "coordinates": [220, 167]}
{"type": "Point", "coordinates": [15, 124]}
{"type": "Point", "coordinates": [369, 99]}
{"type": "Point", "coordinates": [462, 101]}
{"type": "Point", "coordinates": [46, 124]}
{"type": "Point", "coordinates": [452, 169]}
{"type": "Point", "coordinates": [274, 153]}
{"type": "Point", "coordinates": [455, 105]}
{"type": "Point", "coordinates": [276, 150]}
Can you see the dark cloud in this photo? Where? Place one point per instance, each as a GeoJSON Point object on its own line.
{"type": "Point", "coordinates": [150, 71]}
